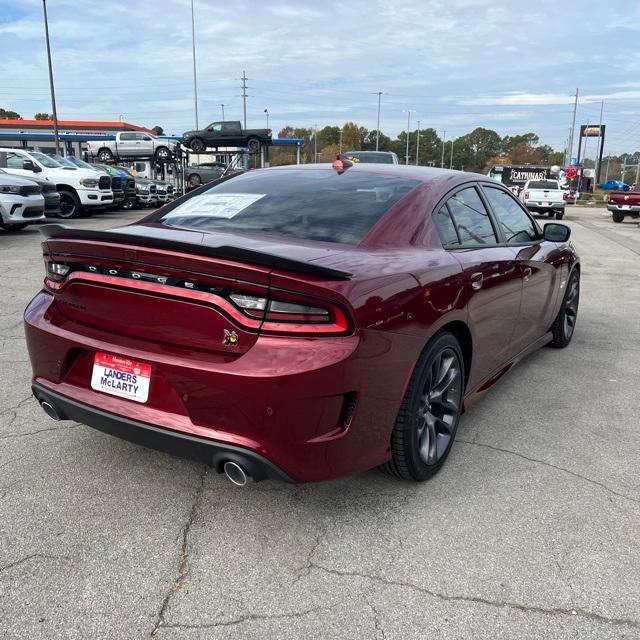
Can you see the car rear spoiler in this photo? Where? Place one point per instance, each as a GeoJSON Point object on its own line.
{"type": "Point", "coordinates": [59, 231]}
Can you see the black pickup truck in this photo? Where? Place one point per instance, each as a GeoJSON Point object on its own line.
{"type": "Point", "coordinates": [226, 134]}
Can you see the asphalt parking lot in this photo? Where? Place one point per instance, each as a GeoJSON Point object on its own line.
{"type": "Point", "coordinates": [531, 530]}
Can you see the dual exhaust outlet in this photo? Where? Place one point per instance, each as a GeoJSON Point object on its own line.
{"type": "Point", "coordinates": [235, 472]}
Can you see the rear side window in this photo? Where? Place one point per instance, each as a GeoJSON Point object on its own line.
{"type": "Point", "coordinates": [127, 136]}
{"type": "Point", "coordinates": [516, 225]}
{"type": "Point", "coordinates": [471, 218]}
{"type": "Point", "coordinates": [544, 184]}
{"type": "Point", "coordinates": [446, 228]}
{"type": "Point", "coordinates": [307, 204]}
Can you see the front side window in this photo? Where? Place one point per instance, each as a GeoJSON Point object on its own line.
{"type": "Point", "coordinates": [516, 225]}
{"type": "Point", "coordinates": [215, 126]}
{"type": "Point", "coordinates": [142, 136]}
{"type": "Point", "coordinates": [308, 204]}
{"type": "Point", "coordinates": [14, 161]}
{"type": "Point", "coordinates": [471, 218]}
{"type": "Point", "coordinates": [45, 160]}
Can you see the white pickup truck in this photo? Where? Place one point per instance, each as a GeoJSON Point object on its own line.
{"type": "Point", "coordinates": [543, 196]}
{"type": "Point", "coordinates": [131, 144]}
{"type": "Point", "coordinates": [81, 190]}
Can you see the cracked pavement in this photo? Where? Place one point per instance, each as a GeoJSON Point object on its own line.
{"type": "Point", "coordinates": [531, 530]}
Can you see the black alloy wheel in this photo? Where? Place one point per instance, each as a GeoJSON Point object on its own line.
{"type": "Point", "coordinates": [69, 205]}
{"type": "Point", "coordinates": [565, 322]}
{"type": "Point", "coordinates": [428, 418]}
{"type": "Point", "coordinates": [197, 145]}
{"type": "Point", "coordinates": [253, 145]}
{"type": "Point", "coordinates": [163, 154]}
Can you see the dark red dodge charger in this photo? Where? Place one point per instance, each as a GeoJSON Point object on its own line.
{"type": "Point", "coordinates": [303, 322]}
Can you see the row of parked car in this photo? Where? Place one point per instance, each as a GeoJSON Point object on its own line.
{"type": "Point", "coordinates": [34, 185]}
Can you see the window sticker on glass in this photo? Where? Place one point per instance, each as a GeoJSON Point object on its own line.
{"type": "Point", "coordinates": [216, 205]}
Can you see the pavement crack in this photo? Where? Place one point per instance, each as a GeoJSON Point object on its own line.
{"type": "Point", "coordinates": [498, 604]}
{"type": "Point", "coordinates": [33, 433]}
{"type": "Point", "coordinates": [248, 618]}
{"type": "Point", "coordinates": [183, 566]}
{"type": "Point", "coordinates": [553, 466]}
{"type": "Point", "coordinates": [33, 556]}
{"type": "Point", "coordinates": [376, 621]}
{"type": "Point", "coordinates": [305, 569]}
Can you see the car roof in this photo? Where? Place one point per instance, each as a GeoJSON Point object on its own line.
{"type": "Point", "coordinates": [411, 172]}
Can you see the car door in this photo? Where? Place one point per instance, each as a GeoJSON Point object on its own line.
{"type": "Point", "coordinates": [493, 284]}
{"type": "Point", "coordinates": [127, 144]}
{"type": "Point", "coordinates": [539, 263]}
{"type": "Point", "coordinates": [213, 134]}
{"type": "Point", "coordinates": [232, 134]}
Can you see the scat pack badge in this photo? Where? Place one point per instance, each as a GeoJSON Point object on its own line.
{"type": "Point", "coordinates": [230, 338]}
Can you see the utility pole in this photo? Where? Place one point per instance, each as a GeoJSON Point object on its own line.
{"type": "Point", "coordinates": [244, 98]}
{"type": "Point", "coordinates": [222, 107]}
{"type": "Point", "coordinates": [378, 125]}
{"type": "Point", "coordinates": [56, 135]}
{"type": "Point", "coordinates": [606, 175]}
{"type": "Point", "coordinates": [267, 112]}
{"type": "Point", "coordinates": [451, 156]}
{"type": "Point", "coordinates": [638, 172]}
{"type": "Point", "coordinates": [573, 128]}
{"type": "Point", "coordinates": [408, 112]}
{"type": "Point", "coordinates": [418, 144]}
{"type": "Point", "coordinates": [444, 136]}
{"type": "Point", "coordinates": [596, 166]}
{"type": "Point", "coordinates": [315, 144]}
{"type": "Point", "coordinates": [195, 76]}
{"type": "Point", "coordinates": [340, 144]}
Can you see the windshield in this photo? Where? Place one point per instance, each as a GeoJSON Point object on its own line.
{"type": "Point", "coordinates": [369, 156]}
{"type": "Point", "coordinates": [307, 204]}
{"type": "Point", "coordinates": [543, 184]}
{"type": "Point", "coordinates": [80, 163]}
{"type": "Point", "coordinates": [46, 161]}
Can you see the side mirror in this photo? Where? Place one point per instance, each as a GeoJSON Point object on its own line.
{"type": "Point", "coordinates": [556, 232]}
{"type": "Point", "coordinates": [28, 165]}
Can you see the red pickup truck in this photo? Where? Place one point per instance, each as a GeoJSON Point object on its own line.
{"type": "Point", "coordinates": [624, 203]}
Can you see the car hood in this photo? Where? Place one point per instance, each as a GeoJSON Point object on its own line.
{"type": "Point", "coordinates": [8, 179]}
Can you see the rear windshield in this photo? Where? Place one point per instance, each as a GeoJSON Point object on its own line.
{"type": "Point", "coordinates": [311, 204]}
{"type": "Point", "coordinates": [364, 156]}
{"type": "Point", "coordinates": [543, 184]}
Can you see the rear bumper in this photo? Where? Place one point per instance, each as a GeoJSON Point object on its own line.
{"type": "Point", "coordinates": [624, 208]}
{"type": "Point", "coordinates": [212, 453]}
{"type": "Point", "coordinates": [314, 408]}
{"type": "Point", "coordinates": [544, 206]}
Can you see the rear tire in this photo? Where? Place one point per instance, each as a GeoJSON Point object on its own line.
{"type": "Point", "coordinates": [197, 145]}
{"type": "Point", "coordinates": [617, 216]}
{"type": "Point", "coordinates": [559, 215]}
{"type": "Point", "coordinates": [565, 323]}
{"type": "Point", "coordinates": [194, 180]}
{"type": "Point", "coordinates": [70, 206]}
{"type": "Point", "coordinates": [550, 214]}
{"type": "Point", "coordinates": [253, 145]}
{"type": "Point", "coordinates": [105, 155]}
{"type": "Point", "coordinates": [426, 425]}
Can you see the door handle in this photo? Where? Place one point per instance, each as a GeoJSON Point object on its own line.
{"type": "Point", "coordinates": [527, 273]}
{"type": "Point", "coordinates": [476, 280]}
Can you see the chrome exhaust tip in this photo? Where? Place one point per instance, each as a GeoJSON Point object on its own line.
{"type": "Point", "coordinates": [50, 410]}
{"type": "Point", "coordinates": [236, 474]}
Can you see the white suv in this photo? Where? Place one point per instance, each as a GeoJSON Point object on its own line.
{"type": "Point", "coordinates": [21, 202]}
{"type": "Point", "coordinates": [81, 190]}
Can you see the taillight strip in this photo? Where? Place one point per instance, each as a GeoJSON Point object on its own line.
{"type": "Point", "coordinates": [171, 292]}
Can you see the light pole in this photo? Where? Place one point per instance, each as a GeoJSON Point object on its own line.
{"type": "Point", "coordinates": [340, 143]}
{"type": "Point", "coordinates": [444, 137]}
{"type": "Point", "coordinates": [56, 136]}
{"type": "Point", "coordinates": [222, 107]}
{"type": "Point", "coordinates": [408, 112]}
{"type": "Point", "coordinates": [451, 156]}
{"type": "Point", "coordinates": [418, 144]}
{"type": "Point", "coordinates": [267, 112]}
{"type": "Point", "coordinates": [378, 125]}
{"type": "Point", "coordinates": [193, 50]}
{"type": "Point", "coordinates": [315, 144]}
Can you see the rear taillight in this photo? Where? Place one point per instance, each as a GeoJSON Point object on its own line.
{"type": "Point", "coordinates": [288, 316]}
{"type": "Point", "coordinates": [526, 195]}
{"type": "Point", "coordinates": [285, 314]}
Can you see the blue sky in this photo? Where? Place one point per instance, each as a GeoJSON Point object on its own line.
{"type": "Point", "coordinates": [510, 66]}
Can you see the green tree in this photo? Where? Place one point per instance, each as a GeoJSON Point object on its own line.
{"type": "Point", "coordinates": [286, 132]}
{"type": "Point", "coordinates": [43, 116]}
{"type": "Point", "coordinates": [158, 130]}
{"type": "Point", "coordinates": [328, 136]}
{"type": "Point", "coordinates": [9, 115]}
{"type": "Point", "coordinates": [477, 147]}
{"type": "Point", "coordinates": [351, 137]}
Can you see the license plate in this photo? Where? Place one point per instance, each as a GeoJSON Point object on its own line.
{"type": "Point", "coordinates": [626, 206]}
{"type": "Point", "coordinates": [121, 377]}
